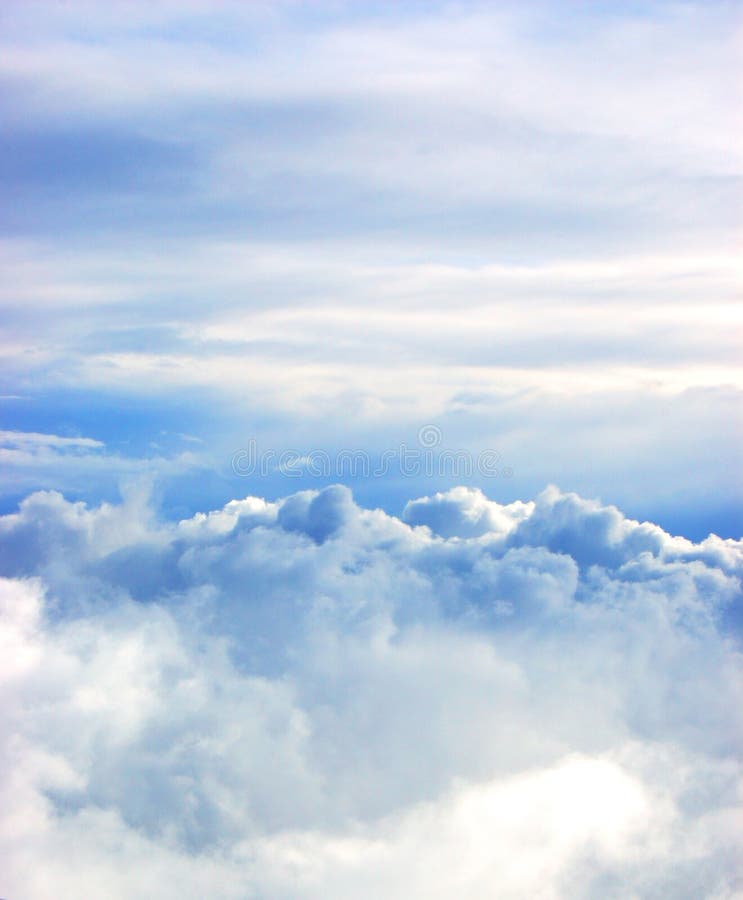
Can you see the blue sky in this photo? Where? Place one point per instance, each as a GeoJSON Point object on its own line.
{"type": "Point", "coordinates": [327, 225]}
{"type": "Point", "coordinates": [370, 406]}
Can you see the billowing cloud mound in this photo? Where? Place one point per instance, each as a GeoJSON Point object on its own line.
{"type": "Point", "coordinates": [309, 699]}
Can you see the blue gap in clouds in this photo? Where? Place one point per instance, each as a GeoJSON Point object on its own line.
{"type": "Point", "coordinates": [144, 427]}
{"type": "Point", "coordinates": [89, 159]}
{"type": "Point", "coordinates": [126, 424]}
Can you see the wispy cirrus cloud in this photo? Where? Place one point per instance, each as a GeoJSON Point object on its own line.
{"type": "Point", "coordinates": [32, 460]}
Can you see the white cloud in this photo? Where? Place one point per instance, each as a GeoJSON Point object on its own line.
{"type": "Point", "coordinates": [463, 512]}
{"type": "Point", "coordinates": [303, 698]}
{"type": "Point", "coordinates": [32, 439]}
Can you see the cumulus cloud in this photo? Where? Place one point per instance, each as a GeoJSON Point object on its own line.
{"type": "Point", "coordinates": [304, 698]}
{"type": "Point", "coordinates": [462, 512]}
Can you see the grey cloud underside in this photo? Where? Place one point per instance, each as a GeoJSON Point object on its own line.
{"type": "Point", "coordinates": [306, 698]}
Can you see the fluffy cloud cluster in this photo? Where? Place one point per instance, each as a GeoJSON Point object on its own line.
{"type": "Point", "coordinates": [309, 699]}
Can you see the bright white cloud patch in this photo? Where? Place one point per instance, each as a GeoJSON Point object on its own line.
{"type": "Point", "coordinates": [309, 699]}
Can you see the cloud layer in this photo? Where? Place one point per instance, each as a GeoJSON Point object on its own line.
{"type": "Point", "coordinates": [341, 225]}
{"type": "Point", "coordinates": [310, 699]}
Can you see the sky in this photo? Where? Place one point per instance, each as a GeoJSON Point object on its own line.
{"type": "Point", "coordinates": [370, 429]}
{"type": "Point", "coordinates": [325, 226]}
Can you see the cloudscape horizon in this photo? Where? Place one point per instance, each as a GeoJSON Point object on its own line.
{"type": "Point", "coordinates": [370, 426]}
